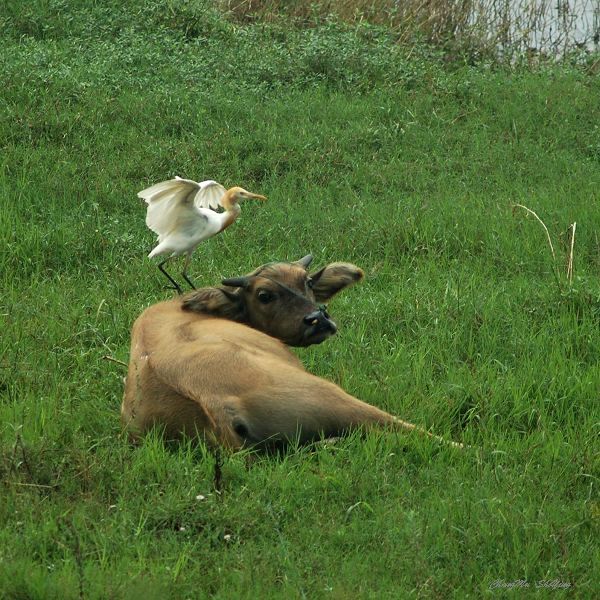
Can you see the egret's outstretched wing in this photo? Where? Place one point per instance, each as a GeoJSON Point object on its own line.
{"type": "Point", "coordinates": [209, 195]}
{"type": "Point", "coordinates": [170, 205]}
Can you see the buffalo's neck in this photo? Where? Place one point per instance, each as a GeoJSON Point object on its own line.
{"type": "Point", "coordinates": [230, 215]}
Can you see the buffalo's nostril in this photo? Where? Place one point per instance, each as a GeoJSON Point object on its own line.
{"type": "Point", "coordinates": [318, 327]}
{"type": "Point", "coordinates": [313, 318]}
{"type": "Point", "coordinates": [320, 321]}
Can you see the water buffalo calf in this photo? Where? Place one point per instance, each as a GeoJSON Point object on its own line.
{"type": "Point", "coordinates": [215, 363]}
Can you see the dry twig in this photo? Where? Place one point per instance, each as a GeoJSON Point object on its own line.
{"type": "Point", "coordinates": [115, 360]}
{"type": "Point", "coordinates": [572, 227]}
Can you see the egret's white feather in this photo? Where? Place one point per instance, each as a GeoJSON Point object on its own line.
{"type": "Point", "coordinates": [155, 189]}
{"type": "Point", "coordinates": [168, 203]}
{"type": "Point", "coordinates": [209, 195]}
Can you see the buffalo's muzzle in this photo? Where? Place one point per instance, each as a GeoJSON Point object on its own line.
{"type": "Point", "coordinates": [319, 324]}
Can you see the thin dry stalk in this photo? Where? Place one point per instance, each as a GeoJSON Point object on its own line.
{"type": "Point", "coordinates": [543, 225]}
{"type": "Point", "coordinates": [115, 360]}
{"type": "Point", "coordinates": [555, 270]}
{"type": "Point", "coordinates": [571, 251]}
{"type": "Point", "coordinates": [33, 485]}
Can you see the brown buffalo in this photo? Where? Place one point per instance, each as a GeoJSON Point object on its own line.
{"type": "Point", "coordinates": [215, 363]}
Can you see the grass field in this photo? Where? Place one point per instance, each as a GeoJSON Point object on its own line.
{"type": "Point", "coordinates": [394, 158]}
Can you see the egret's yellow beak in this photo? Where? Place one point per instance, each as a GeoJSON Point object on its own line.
{"type": "Point", "coordinates": [256, 196]}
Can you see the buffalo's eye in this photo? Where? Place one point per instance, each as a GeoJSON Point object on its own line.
{"type": "Point", "coordinates": [265, 297]}
{"type": "Point", "coordinates": [310, 283]}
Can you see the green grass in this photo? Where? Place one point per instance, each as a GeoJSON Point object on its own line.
{"type": "Point", "coordinates": [369, 152]}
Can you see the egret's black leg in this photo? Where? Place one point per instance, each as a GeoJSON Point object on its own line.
{"type": "Point", "coordinates": [162, 270]}
{"type": "Point", "coordinates": [190, 282]}
{"type": "Point", "coordinates": [184, 272]}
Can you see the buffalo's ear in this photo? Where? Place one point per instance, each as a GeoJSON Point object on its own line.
{"type": "Point", "coordinates": [216, 301]}
{"type": "Point", "coordinates": [333, 278]}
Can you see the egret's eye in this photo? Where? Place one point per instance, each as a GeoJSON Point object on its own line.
{"type": "Point", "coordinates": [265, 297]}
{"type": "Point", "coordinates": [310, 284]}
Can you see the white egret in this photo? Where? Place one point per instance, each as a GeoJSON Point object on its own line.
{"type": "Point", "coordinates": [184, 213]}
